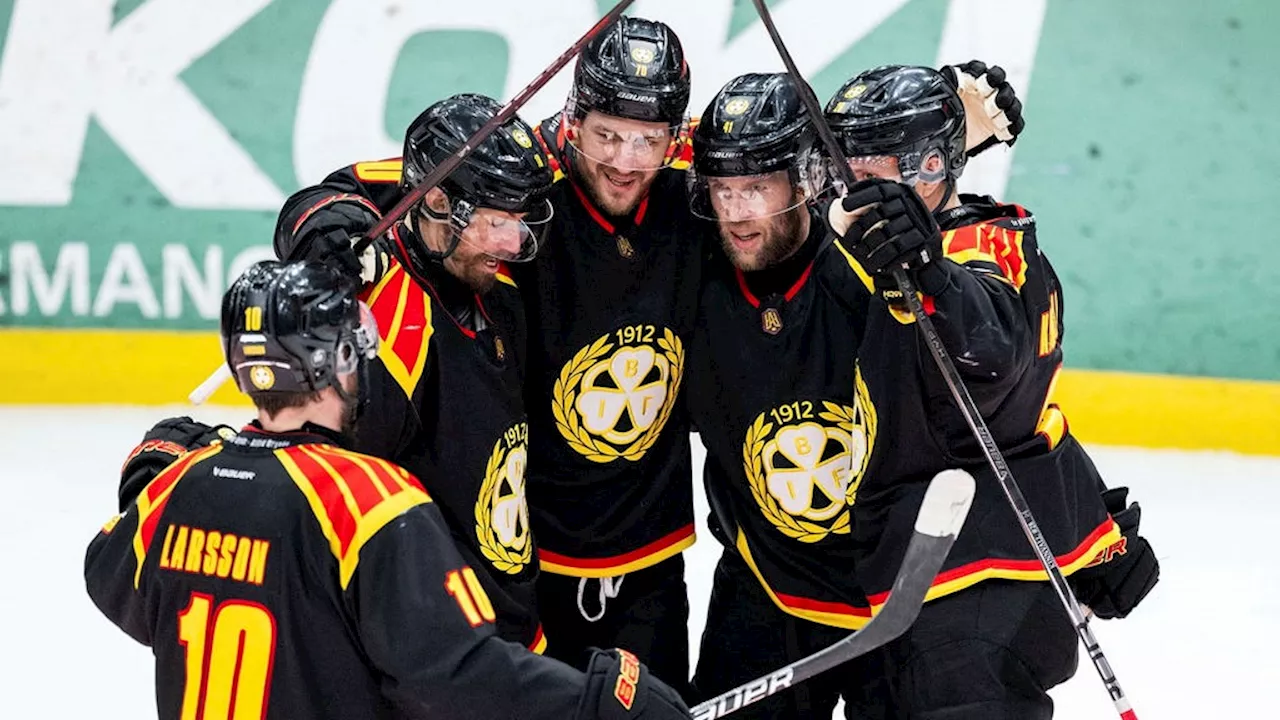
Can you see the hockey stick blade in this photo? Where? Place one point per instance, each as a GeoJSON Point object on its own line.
{"type": "Point", "coordinates": [942, 513]}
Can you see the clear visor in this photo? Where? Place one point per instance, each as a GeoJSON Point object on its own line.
{"type": "Point", "coordinates": [745, 197]}
{"type": "Point", "coordinates": [628, 150]}
{"type": "Point", "coordinates": [908, 168]}
{"type": "Point", "coordinates": [364, 342]}
{"type": "Point", "coordinates": [506, 236]}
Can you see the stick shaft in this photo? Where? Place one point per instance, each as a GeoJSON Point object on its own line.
{"type": "Point", "coordinates": [960, 394]}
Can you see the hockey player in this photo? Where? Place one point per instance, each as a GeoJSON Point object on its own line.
{"type": "Point", "coordinates": [277, 574]}
{"type": "Point", "coordinates": [992, 643]}
{"type": "Point", "coordinates": [446, 394]}
{"type": "Point", "coordinates": [771, 389]}
{"type": "Point", "coordinates": [777, 390]}
{"type": "Point", "coordinates": [610, 303]}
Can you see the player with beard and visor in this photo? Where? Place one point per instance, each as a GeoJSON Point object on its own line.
{"type": "Point", "coordinates": [610, 302]}
{"type": "Point", "coordinates": [771, 389]}
{"type": "Point", "coordinates": [446, 393]}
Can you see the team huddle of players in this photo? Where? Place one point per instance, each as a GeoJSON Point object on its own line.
{"type": "Point", "coordinates": [470, 481]}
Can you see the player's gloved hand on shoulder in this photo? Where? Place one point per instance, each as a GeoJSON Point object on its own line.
{"type": "Point", "coordinates": [619, 687]}
{"type": "Point", "coordinates": [330, 234]}
{"type": "Point", "coordinates": [993, 113]}
{"type": "Point", "coordinates": [1122, 575]}
{"type": "Point", "coordinates": [885, 225]}
{"type": "Point", "coordinates": [165, 442]}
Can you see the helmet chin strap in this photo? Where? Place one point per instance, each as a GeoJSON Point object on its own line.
{"type": "Point", "coordinates": [946, 198]}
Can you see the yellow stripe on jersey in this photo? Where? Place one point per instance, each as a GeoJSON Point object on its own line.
{"type": "Point", "coordinates": [379, 171]}
{"type": "Point", "coordinates": [349, 497]}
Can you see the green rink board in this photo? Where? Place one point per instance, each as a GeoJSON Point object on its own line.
{"type": "Point", "coordinates": [1148, 161]}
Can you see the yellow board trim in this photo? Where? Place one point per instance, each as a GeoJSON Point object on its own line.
{"type": "Point", "coordinates": [142, 367]}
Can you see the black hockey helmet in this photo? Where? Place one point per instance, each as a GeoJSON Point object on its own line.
{"type": "Point", "coordinates": [635, 70]}
{"type": "Point", "coordinates": [293, 328]}
{"type": "Point", "coordinates": [505, 172]}
{"type": "Point", "coordinates": [756, 125]}
{"type": "Point", "coordinates": [901, 111]}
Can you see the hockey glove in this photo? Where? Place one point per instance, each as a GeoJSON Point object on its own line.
{"type": "Point", "coordinates": [329, 233]}
{"type": "Point", "coordinates": [885, 225]}
{"type": "Point", "coordinates": [992, 112]}
{"type": "Point", "coordinates": [619, 687]}
{"type": "Point", "coordinates": [164, 443]}
{"type": "Point", "coordinates": [1122, 575]}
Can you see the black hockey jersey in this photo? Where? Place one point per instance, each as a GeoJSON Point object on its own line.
{"type": "Point", "coordinates": [610, 305]}
{"type": "Point", "coordinates": [282, 576]}
{"type": "Point", "coordinates": [824, 418]}
{"type": "Point", "coordinates": [1000, 318]}
{"type": "Point", "coordinates": [446, 400]}
{"type": "Point", "coordinates": [771, 390]}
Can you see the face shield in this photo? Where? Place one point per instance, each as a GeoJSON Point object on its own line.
{"type": "Point", "coordinates": [910, 168]}
{"type": "Point", "coordinates": [627, 145]}
{"type": "Point", "coordinates": [741, 198]}
{"type": "Point", "coordinates": [745, 197]}
{"type": "Point", "coordinates": [502, 235]}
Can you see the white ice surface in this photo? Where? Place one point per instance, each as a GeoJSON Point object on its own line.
{"type": "Point", "coordinates": [1202, 646]}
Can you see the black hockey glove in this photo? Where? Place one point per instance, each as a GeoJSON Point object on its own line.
{"type": "Point", "coordinates": [885, 225]}
{"type": "Point", "coordinates": [164, 443]}
{"type": "Point", "coordinates": [330, 234]}
{"type": "Point", "coordinates": [993, 113]}
{"type": "Point", "coordinates": [619, 687]}
{"type": "Point", "coordinates": [1122, 575]}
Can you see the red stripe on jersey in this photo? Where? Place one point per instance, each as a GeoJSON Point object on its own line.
{"type": "Point", "coordinates": [327, 489]}
{"type": "Point", "coordinates": [169, 476]}
{"type": "Point", "coordinates": [654, 547]}
{"type": "Point", "coordinates": [811, 605]}
{"type": "Point", "coordinates": [339, 197]}
{"type": "Point", "coordinates": [348, 472]}
{"type": "Point", "coordinates": [993, 567]}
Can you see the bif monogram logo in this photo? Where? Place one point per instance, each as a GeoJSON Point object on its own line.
{"type": "Point", "coordinates": [613, 398]}
{"type": "Point", "coordinates": [502, 513]}
{"type": "Point", "coordinates": [804, 461]}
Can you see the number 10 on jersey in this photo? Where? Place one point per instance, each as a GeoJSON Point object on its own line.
{"type": "Point", "coordinates": [230, 651]}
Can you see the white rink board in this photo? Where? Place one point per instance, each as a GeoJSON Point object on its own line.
{"type": "Point", "coordinates": [1203, 645]}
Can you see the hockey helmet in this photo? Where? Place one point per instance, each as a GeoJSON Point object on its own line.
{"type": "Point", "coordinates": [635, 70]}
{"type": "Point", "coordinates": [756, 126]}
{"type": "Point", "coordinates": [909, 113]}
{"type": "Point", "coordinates": [294, 328]}
{"type": "Point", "coordinates": [506, 172]}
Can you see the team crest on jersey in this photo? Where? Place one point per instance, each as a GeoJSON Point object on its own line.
{"type": "Point", "coordinates": [804, 461]}
{"type": "Point", "coordinates": [502, 514]}
{"type": "Point", "coordinates": [613, 398]}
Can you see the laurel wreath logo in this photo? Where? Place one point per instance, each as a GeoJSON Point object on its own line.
{"type": "Point", "coordinates": [841, 416]}
{"type": "Point", "coordinates": [503, 558]}
{"type": "Point", "coordinates": [567, 387]}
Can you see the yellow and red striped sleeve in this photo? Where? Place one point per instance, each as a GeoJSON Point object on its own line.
{"type": "Point", "coordinates": [403, 312]}
{"type": "Point", "coordinates": [153, 499]}
{"type": "Point", "coordinates": [351, 495]}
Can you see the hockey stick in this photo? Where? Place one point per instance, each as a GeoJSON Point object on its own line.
{"type": "Point", "coordinates": [964, 401]}
{"type": "Point", "coordinates": [205, 389]}
{"type": "Point", "coordinates": [942, 513]}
